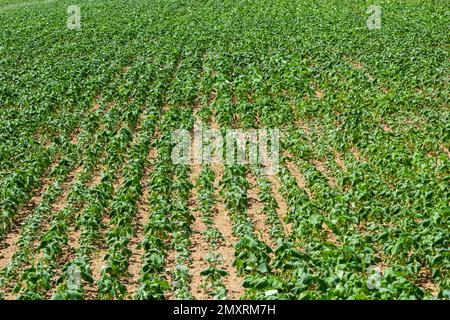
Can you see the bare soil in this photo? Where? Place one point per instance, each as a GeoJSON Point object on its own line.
{"type": "Point", "coordinates": [222, 221]}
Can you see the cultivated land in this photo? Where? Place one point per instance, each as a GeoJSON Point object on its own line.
{"type": "Point", "coordinates": [359, 208]}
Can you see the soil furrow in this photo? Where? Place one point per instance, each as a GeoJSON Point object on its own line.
{"type": "Point", "coordinates": [282, 208]}
{"type": "Point", "coordinates": [298, 177]}
{"type": "Point", "coordinates": [222, 221]}
{"type": "Point", "coordinates": [199, 248]}
{"type": "Point", "coordinates": [142, 216]}
{"type": "Point", "coordinates": [255, 209]}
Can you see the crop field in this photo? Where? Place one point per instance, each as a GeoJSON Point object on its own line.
{"type": "Point", "coordinates": [93, 205]}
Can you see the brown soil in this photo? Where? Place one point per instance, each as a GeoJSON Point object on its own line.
{"type": "Point", "coordinates": [258, 120]}
{"type": "Point", "coordinates": [340, 161]}
{"type": "Point", "coordinates": [302, 125]}
{"type": "Point", "coordinates": [169, 267]}
{"type": "Point", "coordinates": [197, 104]}
{"type": "Point", "coordinates": [222, 221]}
{"type": "Point", "coordinates": [283, 208]}
{"type": "Point", "coordinates": [256, 214]}
{"type": "Point", "coordinates": [319, 94]}
{"type": "Point", "coordinates": [446, 151]}
{"type": "Point", "coordinates": [331, 237]}
{"type": "Point", "coordinates": [199, 248]}
{"type": "Point", "coordinates": [74, 136]}
{"type": "Point", "coordinates": [8, 248]}
{"type": "Point", "coordinates": [359, 66]}
{"type": "Point", "coordinates": [212, 97]}
{"type": "Point", "coordinates": [74, 241]}
{"type": "Point", "coordinates": [386, 128]}
{"type": "Point", "coordinates": [384, 89]}
{"type": "Point", "coordinates": [97, 263]}
{"type": "Point", "coordinates": [214, 124]}
{"type": "Point", "coordinates": [142, 216]}
{"type": "Point", "coordinates": [325, 172]}
{"type": "Point", "coordinates": [61, 202]}
{"type": "Point", "coordinates": [96, 105]}
{"type": "Point", "coordinates": [68, 255]}
{"type": "Point", "coordinates": [425, 281]}
{"type": "Point", "coordinates": [357, 155]}
{"type": "Point", "coordinates": [298, 177]}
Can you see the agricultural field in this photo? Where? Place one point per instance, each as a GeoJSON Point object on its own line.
{"type": "Point", "coordinates": [93, 206]}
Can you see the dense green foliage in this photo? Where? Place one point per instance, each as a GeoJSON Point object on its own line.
{"type": "Point", "coordinates": [100, 98]}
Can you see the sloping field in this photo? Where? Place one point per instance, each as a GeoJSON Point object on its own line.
{"type": "Point", "coordinates": [92, 205]}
